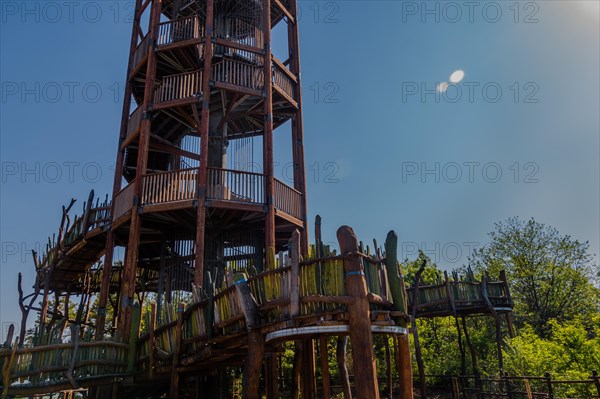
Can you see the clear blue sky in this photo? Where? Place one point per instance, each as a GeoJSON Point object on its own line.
{"type": "Point", "coordinates": [391, 151]}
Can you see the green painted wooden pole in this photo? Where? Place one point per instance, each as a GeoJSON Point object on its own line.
{"type": "Point", "coordinates": [136, 316]}
{"type": "Point", "coordinates": [391, 264]}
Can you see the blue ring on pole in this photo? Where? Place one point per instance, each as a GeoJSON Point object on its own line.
{"type": "Point", "coordinates": [240, 282]}
{"type": "Point", "coordinates": [355, 273]}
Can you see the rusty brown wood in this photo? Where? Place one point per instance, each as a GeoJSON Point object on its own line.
{"type": "Point", "coordinates": [203, 123]}
{"type": "Point", "coordinates": [496, 317]}
{"type": "Point", "coordinates": [129, 272]}
{"type": "Point", "coordinates": [418, 353]}
{"type": "Point", "coordinates": [403, 365]}
{"type": "Point", "coordinates": [326, 384]}
{"type": "Point", "coordinates": [340, 353]}
{"type": "Point", "coordinates": [110, 239]}
{"type": "Point", "coordinates": [174, 387]}
{"type": "Point", "coordinates": [151, 340]}
{"type": "Point", "coordinates": [271, 368]}
{"type": "Point", "coordinates": [470, 346]}
{"type": "Point", "coordinates": [297, 122]}
{"type": "Point", "coordinates": [253, 365]}
{"type": "Point", "coordinates": [365, 371]}
{"type": "Point", "coordinates": [268, 137]}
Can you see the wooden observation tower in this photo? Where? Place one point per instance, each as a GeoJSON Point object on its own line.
{"type": "Point", "coordinates": [216, 257]}
{"type": "Point", "coordinates": [195, 192]}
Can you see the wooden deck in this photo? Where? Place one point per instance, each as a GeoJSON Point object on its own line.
{"type": "Point", "coordinates": [85, 239]}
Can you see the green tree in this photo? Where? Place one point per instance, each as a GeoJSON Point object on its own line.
{"type": "Point", "coordinates": [551, 275]}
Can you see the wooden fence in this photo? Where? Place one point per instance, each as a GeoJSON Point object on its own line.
{"type": "Point", "coordinates": [517, 387]}
{"type": "Point", "coordinates": [61, 364]}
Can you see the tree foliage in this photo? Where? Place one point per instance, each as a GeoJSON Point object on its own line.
{"type": "Point", "coordinates": [551, 275]}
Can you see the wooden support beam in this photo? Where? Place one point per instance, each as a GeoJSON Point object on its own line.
{"type": "Point", "coordinates": [342, 344]}
{"type": "Point", "coordinates": [470, 346]}
{"type": "Point", "coordinates": [415, 330]}
{"type": "Point", "coordinates": [365, 371]}
{"type": "Point", "coordinates": [174, 388]}
{"type": "Point", "coordinates": [403, 365]}
{"type": "Point", "coordinates": [308, 375]}
{"type": "Point", "coordinates": [268, 137]}
{"type": "Point", "coordinates": [256, 342]}
{"type": "Point", "coordinates": [133, 337]}
{"type": "Point", "coordinates": [271, 367]}
{"type": "Point", "coordinates": [203, 122]}
{"type": "Point", "coordinates": [326, 384]}
{"type": "Point", "coordinates": [297, 121]}
{"type": "Point", "coordinates": [151, 341]}
{"type": "Point", "coordinates": [129, 273]}
{"type": "Point", "coordinates": [496, 317]}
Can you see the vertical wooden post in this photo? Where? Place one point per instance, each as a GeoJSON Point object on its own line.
{"type": "Point", "coordinates": [151, 343]}
{"type": "Point", "coordinates": [404, 367]}
{"type": "Point", "coordinates": [548, 379]}
{"type": "Point", "coordinates": [268, 135]}
{"type": "Point", "coordinates": [309, 383]}
{"type": "Point", "coordinates": [509, 390]}
{"type": "Point", "coordinates": [365, 373]}
{"type": "Point", "coordinates": [596, 381]}
{"type": "Point", "coordinates": [9, 336]}
{"type": "Point", "coordinates": [530, 394]}
{"type": "Point", "coordinates": [471, 347]}
{"type": "Point", "coordinates": [174, 391]}
{"type": "Point", "coordinates": [396, 281]}
{"type": "Point", "coordinates": [133, 337]}
{"type": "Point", "coordinates": [461, 348]}
{"type": "Point", "coordinates": [340, 353]}
{"type": "Point", "coordinates": [418, 354]}
{"type": "Point", "coordinates": [325, 368]}
{"type": "Point", "coordinates": [271, 368]}
{"type": "Point", "coordinates": [295, 275]}
{"type": "Point", "coordinates": [508, 315]}
{"type": "Point", "coordinates": [256, 342]}
{"type": "Point", "coordinates": [455, 388]}
{"type": "Point", "coordinates": [295, 309]}
{"type": "Point", "coordinates": [297, 121]}
{"type": "Point", "coordinates": [398, 291]}
{"type": "Point", "coordinates": [296, 370]}
{"type": "Point", "coordinates": [129, 272]}
{"type": "Point", "coordinates": [6, 368]}
{"type": "Point", "coordinates": [388, 368]}
{"type": "Point", "coordinates": [204, 133]}
{"type": "Point", "coordinates": [496, 320]}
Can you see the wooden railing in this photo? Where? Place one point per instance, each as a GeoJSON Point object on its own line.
{"type": "Point", "coordinates": [123, 201]}
{"type": "Point", "coordinates": [135, 121]}
{"type": "Point", "coordinates": [178, 185]}
{"type": "Point", "coordinates": [97, 217]}
{"type": "Point", "coordinates": [229, 318]}
{"type": "Point", "coordinates": [462, 295]}
{"type": "Point", "coordinates": [528, 387]}
{"type": "Point", "coordinates": [235, 185]}
{"type": "Point", "coordinates": [178, 87]}
{"type": "Point", "coordinates": [60, 364]}
{"type": "Point", "coordinates": [288, 199]}
{"type": "Point", "coordinates": [140, 52]}
{"type": "Point", "coordinates": [239, 74]}
{"type": "Point", "coordinates": [239, 31]}
{"type": "Point", "coordinates": [179, 30]}
{"type": "Point", "coordinates": [282, 79]}
{"type": "Point", "coordinates": [293, 288]}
